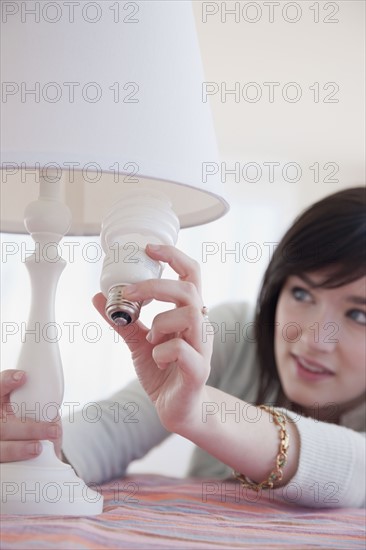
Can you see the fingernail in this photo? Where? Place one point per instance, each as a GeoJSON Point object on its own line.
{"type": "Point", "coordinates": [149, 336]}
{"type": "Point", "coordinates": [154, 247]}
{"type": "Point", "coordinates": [34, 448]}
{"type": "Point", "coordinates": [52, 431]}
{"type": "Point", "coordinates": [18, 375]}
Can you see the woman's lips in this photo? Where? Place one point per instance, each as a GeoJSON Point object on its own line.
{"type": "Point", "coordinates": [311, 370]}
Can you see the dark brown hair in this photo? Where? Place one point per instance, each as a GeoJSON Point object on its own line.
{"type": "Point", "coordinates": [329, 237]}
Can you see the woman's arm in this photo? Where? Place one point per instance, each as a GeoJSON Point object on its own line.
{"type": "Point", "coordinates": [332, 466]}
{"type": "Point", "coordinates": [249, 447]}
{"type": "Point", "coordinates": [172, 362]}
{"type": "Point", "coordinates": [326, 463]}
{"type": "Point", "coordinates": [126, 429]}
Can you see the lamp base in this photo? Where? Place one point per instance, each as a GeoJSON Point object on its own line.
{"type": "Point", "coordinates": [46, 486]}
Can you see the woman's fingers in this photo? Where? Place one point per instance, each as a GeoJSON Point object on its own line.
{"type": "Point", "coordinates": [187, 268]}
{"type": "Point", "coordinates": [183, 292]}
{"type": "Point", "coordinates": [188, 323]}
{"type": "Point", "coordinates": [20, 438]}
{"type": "Point", "coordinates": [178, 353]}
{"type": "Point", "coordinates": [186, 291]}
{"type": "Point", "coordinates": [13, 451]}
{"type": "Point", "coordinates": [9, 380]}
{"type": "Point", "coordinates": [14, 429]}
{"type": "Point", "coordinates": [165, 290]}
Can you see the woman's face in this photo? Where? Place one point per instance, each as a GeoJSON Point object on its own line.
{"type": "Point", "coordinates": [320, 345]}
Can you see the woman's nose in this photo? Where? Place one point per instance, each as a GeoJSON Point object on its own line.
{"type": "Point", "coordinates": [322, 334]}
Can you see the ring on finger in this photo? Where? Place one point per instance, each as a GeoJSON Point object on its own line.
{"type": "Point", "coordinates": [204, 311]}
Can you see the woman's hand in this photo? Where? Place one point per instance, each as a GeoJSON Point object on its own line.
{"type": "Point", "coordinates": [20, 438]}
{"type": "Point", "coordinates": [171, 360]}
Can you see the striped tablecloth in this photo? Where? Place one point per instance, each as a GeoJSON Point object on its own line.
{"type": "Point", "coordinates": [149, 511]}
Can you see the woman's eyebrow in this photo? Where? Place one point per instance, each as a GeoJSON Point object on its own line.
{"type": "Point", "coordinates": [306, 280]}
{"type": "Point", "coordinates": [360, 300]}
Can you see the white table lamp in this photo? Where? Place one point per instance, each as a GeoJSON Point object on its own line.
{"type": "Point", "coordinates": [96, 101]}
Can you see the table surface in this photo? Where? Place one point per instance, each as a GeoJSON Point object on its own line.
{"type": "Point", "coordinates": [151, 511]}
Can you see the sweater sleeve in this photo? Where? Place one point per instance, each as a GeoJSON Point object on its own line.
{"type": "Point", "coordinates": [101, 443]}
{"type": "Point", "coordinates": [331, 472]}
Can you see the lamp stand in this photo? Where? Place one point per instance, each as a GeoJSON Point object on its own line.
{"type": "Point", "coordinates": [44, 485]}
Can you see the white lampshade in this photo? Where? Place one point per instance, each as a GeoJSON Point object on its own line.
{"type": "Point", "coordinates": [114, 99]}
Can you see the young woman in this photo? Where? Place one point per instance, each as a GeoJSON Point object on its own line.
{"type": "Point", "coordinates": [305, 361]}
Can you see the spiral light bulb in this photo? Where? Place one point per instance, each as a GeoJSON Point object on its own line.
{"type": "Point", "coordinates": [140, 217]}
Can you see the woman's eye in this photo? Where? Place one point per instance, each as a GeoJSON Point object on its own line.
{"type": "Point", "coordinates": [300, 294]}
{"type": "Point", "coordinates": [358, 315]}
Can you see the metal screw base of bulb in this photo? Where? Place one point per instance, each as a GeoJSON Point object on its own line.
{"type": "Point", "coordinates": [120, 311]}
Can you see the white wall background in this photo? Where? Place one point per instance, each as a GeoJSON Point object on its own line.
{"type": "Point", "coordinates": [305, 132]}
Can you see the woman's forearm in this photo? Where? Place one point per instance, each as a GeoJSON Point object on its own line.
{"type": "Point", "coordinates": [247, 442]}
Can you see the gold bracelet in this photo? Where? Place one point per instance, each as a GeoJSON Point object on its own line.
{"type": "Point", "coordinates": [281, 459]}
